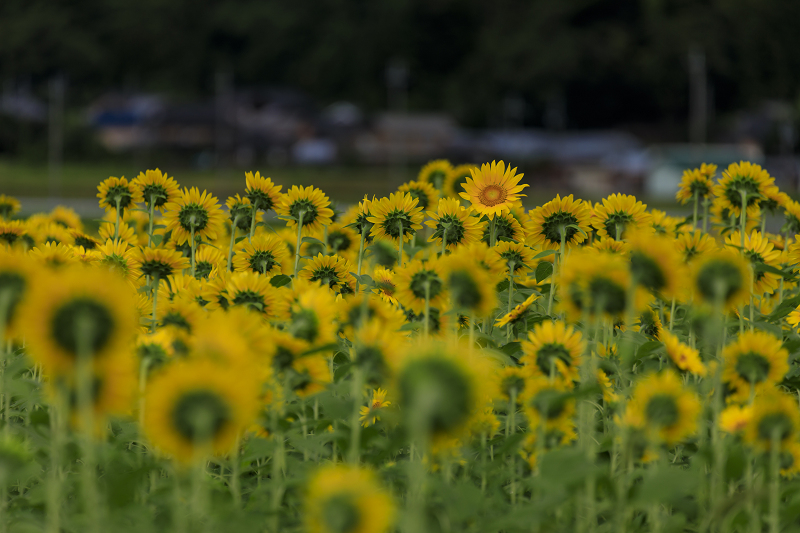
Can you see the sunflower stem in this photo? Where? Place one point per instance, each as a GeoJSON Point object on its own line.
{"type": "Point", "coordinates": [672, 314]}
{"type": "Point", "coordinates": [444, 240]}
{"type": "Point", "coordinates": [743, 217]}
{"type": "Point", "coordinates": [355, 424]}
{"type": "Point", "coordinates": [360, 255]}
{"type": "Point", "coordinates": [84, 333]}
{"type": "Point", "coordinates": [58, 432]}
{"type": "Point", "coordinates": [154, 323]}
{"type": "Point", "coordinates": [233, 241]}
{"type": "Point", "coordinates": [510, 430]}
{"type": "Point", "coordinates": [426, 325]}
{"type": "Point", "coordinates": [253, 221]}
{"type": "Point", "coordinates": [694, 216]}
{"type": "Point", "coordinates": [774, 482]}
{"type": "Point", "coordinates": [236, 483]}
{"type": "Point", "coordinates": [299, 238]}
{"type": "Point", "coordinates": [510, 296]}
{"type": "Point", "coordinates": [152, 207]}
{"type": "Point", "coordinates": [705, 215]}
{"type": "Point", "coordinates": [178, 507]}
{"type": "Point", "coordinates": [194, 246]}
{"type": "Point", "coordinates": [400, 246]}
{"type": "Point", "coordinates": [492, 232]}
{"type": "Point", "coordinates": [116, 226]}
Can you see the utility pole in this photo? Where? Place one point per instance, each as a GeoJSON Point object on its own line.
{"type": "Point", "coordinates": [698, 97]}
{"type": "Point", "coordinates": [55, 134]}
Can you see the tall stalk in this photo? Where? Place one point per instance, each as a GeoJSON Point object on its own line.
{"type": "Point", "coordinates": [299, 239]}
{"type": "Point", "coordinates": [233, 241]}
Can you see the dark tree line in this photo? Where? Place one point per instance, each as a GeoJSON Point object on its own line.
{"type": "Point", "coordinates": [608, 61]}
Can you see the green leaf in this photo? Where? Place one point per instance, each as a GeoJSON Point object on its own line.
{"type": "Point", "coordinates": [666, 484]}
{"type": "Point", "coordinates": [312, 240]}
{"type": "Point", "coordinates": [157, 239]}
{"type": "Point", "coordinates": [543, 271]}
{"type": "Point", "coordinates": [545, 254]}
{"type": "Point", "coordinates": [280, 280]}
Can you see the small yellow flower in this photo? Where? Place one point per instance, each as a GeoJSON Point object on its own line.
{"type": "Point", "coordinates": [369, 413]}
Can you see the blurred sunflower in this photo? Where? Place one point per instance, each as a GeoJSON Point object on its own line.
{"type": "Point", "coordinates": [342, 241]}
{"type": "Point", "coordinates": [453, 224]}
{"type": "Point", "coordinates": [435, 173]}
{"type": "Point", "coordinates": [455, 180]}
{"type": "Point", "coordinates": [516, 256]}
{"type": "Point", "coordinates": [606, 387]}
{"type": "Point", "coordinates": [18, 274]}
{"type": "Point", "coordinates": [649, 323]}
{"type": "Point", "coordinates": [198, 408]}
{"type": "Point", "coordinates": [384, 284]}
{"type": "Point", "coordinates": [734, 418]}
{"type": "Point", "coordinates": [377, 350]}
{"type": "Point", "coordinates": [11, 232]}
{"type": "Point", "coordinates": [618, 213]}
{"type": "Point", "coordinates": [560, 217]}
{"type": "Point", "coordinates": [685, 357]}
{"type": "Point", "coordinates": [416, 281]}
{"type": "Point", "coordinates": [506, 229]}
{"type": "Point", "coordinates": [240, 212]}
{"type": "Point", "coordinates": [662, 407]}
{"type": "Point", "coordinates": [329, 271]}
{"type": "Point", "coordinates": [256, 293]}
{"type": "Point", "coordinates": [549, 406]}
{"type": "Point", "coordinates": [743, 178]}
{"type": "Point", "coordinates": [347, 499]}
{"type": "Point", "coordinates": [759, 251]}
{"type": "Point", "coordinates": [9, 206]}
{"type": "Point", "coordinates": [308, 375]}
{"type": "Point", "coordinates": [693, 244]}
{"type": "Point", "coordinates": [424, 192]}
{"type": "Point", "coordinates": [721, 278]}
{"type": "Point", "coordinates": [553, 348]}
{"type": "Point", "coordinates": [756, 361]}
{"type": "Point", "coordinates": [655, 264]}
{"type": "Point", "coordinates": [208, 260]}
{"type": "Point", "coordinates": [696, 183]}
{"type": "Point", "coordinates": [281, 350]}
{"type": "Point", "coordinates": [791, 215]}
{"type": "Point", "coordinates": [492, 189]}
{"type": "Point", "coordinates": [471, 289]}
{"type": "Point", "coordinates": [119, 257]}
{"type": "Point", "coordinates": [66, 217]}
{"type": "Point", "coordinates": [519, 314]}
{"type": "Point", "coordinates": [356, 312]}
{"type": "Point", "coordinates": [81, 239]}
{"type": "Point", "coordinates": [54, 255]}
{"type": "Point", "coordinates": [369, 414]}
{"type": "Point", "coordinates": [78, 314]}
{"type": "Point", "coordinates": [775, 416]}
{"type": "Point", "coordinates": [663, 224]}
{"type": "Point", "coordinates": [160, 263]}
{"type": "Point", "coordinates": [313, 315]}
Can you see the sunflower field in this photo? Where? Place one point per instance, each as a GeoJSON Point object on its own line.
{"type": "Point", "coordinates": [439, 360]}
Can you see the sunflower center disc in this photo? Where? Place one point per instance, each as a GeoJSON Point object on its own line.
{"type": "Point", "coordinates": [662, 410]}
{"type": "Point", "coordinates": [67, 333]}
{"type": "Point", "coordinates": [341, 514]}
{"type": "Point", "coordinates": [199, 416]}
{"type": "Point", "coordinates": [753, 367]}
{"type": "Point", "coordinates": [493, 195]}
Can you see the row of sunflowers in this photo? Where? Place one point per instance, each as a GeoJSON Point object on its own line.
{"type": "Point", "coordinates": [441, 359]}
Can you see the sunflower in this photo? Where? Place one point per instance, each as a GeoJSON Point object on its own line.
{"type": "Point", "coordinates": [160, 263]}
{"type": "Point", "coordinates": [330, 271]}
{"type": "Point", "coordinates": [609, 245]}
{"type": "Point", "coordinates": [88, 242]}
{"type": "Point", "coordinates": [180, 313]}
{"type": "Point", "coordinates": [742, 179]}
{"type": "Point", "coordinates": [791, 215]}
{"type": "Point", "coordinates": [18, 274]}
{"type": "Point", "coordinates": [606, 387]}
{"type": "Point", "coordinates": [426, 194]}
{"type": "Point", "coordinates": [416, 281]}
{"type": "Point", "coordinates": [11, 232]}
{"type": "Point", "coordinates": [369, 413]}
{"type": "Point", "coordinates": [441, 388]}
{"type": "Point", "coordinates": [470, 287]}
{"type": "Point", "coordinates": [395, 216]}
{"type": "Point", "coordinates": [156, 188]}
{"type": "Point", "coordinates": [355, 312]}
{"type": "Point", "coordinates": [240, 211]}
{"type": "Point", "coordinates": [313, 314]}
{"type": "Point", "coordinates": [655, 264]}
{"type": "Point", "coordinates": [435, 173]}
{"type": "Point", "coordinates": [721, 278]}
{"type": "Point", "coordinates": [790, 460]}
{"type": "Point", "coordinates": [51, 232]}
{"type": "Point", "coordinates": [662, 407]}
{"type": "Point", "coordinates": [511, 381]}
{"type": "Point", "coordinates": [255, 292]}
{"type": "Point", "coordinates": [208, 262]}
{"type": "Point", "coordinates": [734, 418]}
{"type": "Point", "coordinates": [453, 224]}
{"type": "Point", "coordinates": [9, 206]}
{"type": "Point", "coordinates": [262, 193]}
{"type": "Point", "coordinates": [774, 200]}
{"type": "Point", "coordinates": [193, 213]}
{"type": "Point", "coordinates": [78, 314]}
{"type": "Point", "coordinates": [157, 348]}
{"type": "Point", "coordinates": [694, 244]}
{"type": "Point", "coordinates": [455, 180]}
{"type": "Point", "coordinates": [594, 282]}
{"type": "Point", "coordinates": [347, 499]}
{"type": "Point", "coordinates": [108, 230]}
{"type": "Point", "coordinates": [66, 217]}
{"type": "Point", "coordinates": [664, 224]}
{"type": "Point", "coordinates": [117, 193]}
{"type": "Point", "coordinates": [384, 284]}
{"type": "Point", "coordinates": [649, 323]}
{"type": "Point", "coordinates": [519, 314]}
{"type": "Point", "coordinates": [685, 357]}
{"type": "Point", "coordinates": [308, 375]}
{"type": "Point", "coordinates": [341, 240]}
{"type": "Point", "coordinates": [549, 407]}
{"type": "Point", "coordinates": [506, 228]}
{"type": "Point", "coordinates": [492, 189]}
{"type": "Point", "coordinates": [377, 350]}
{"type": "Point", "coordinates": [618, 213]}
{"type": "Point", "coordinates": [119, 257]}
{"type": "Point", "coordinates": [726, 221]}
{"type": "Point", "coordinates": [775, 416]}
{"type": "Point", "coordinates": [266, 254]}
{"type": "Point", "coordinates": [759, 251]}
{"type": "Point", "coordinates": [696, 183]}
{"type": "Point", "coordinates": [553, 348]}
{"type": "Point", "coordinates": [514, 255]}
{"type": "Point", "coordinates": [281, 349]}
{"type": "Point", "coordinates": [308, 206]}
{"type": "Point", "coordinates": [197, 408]}
{"type": "Point", "coordinates": [559, 218]}
{"type": "Point", "coordinates": [756, 361]}
{"type": "Point", "coordinates": [54, 255]}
